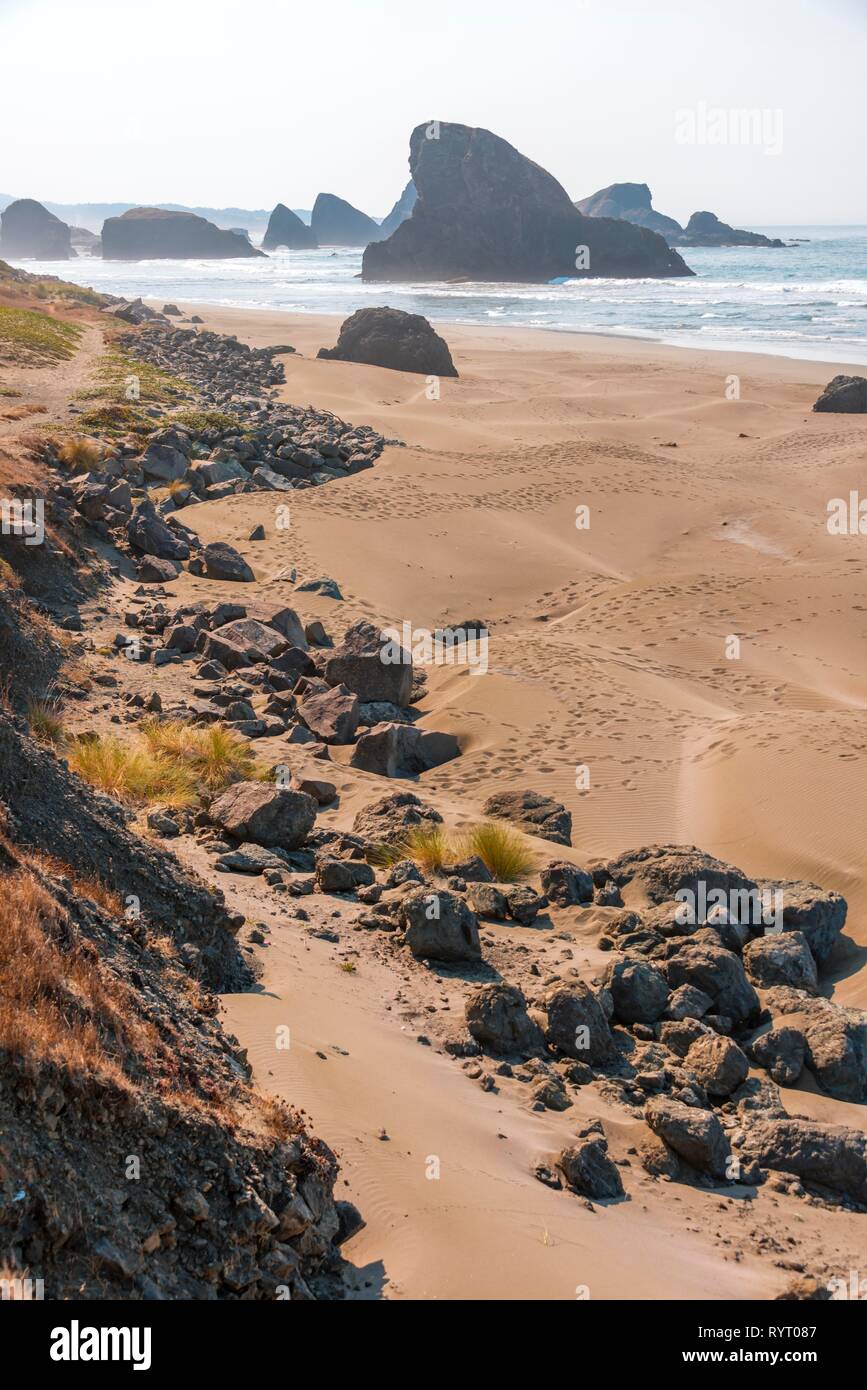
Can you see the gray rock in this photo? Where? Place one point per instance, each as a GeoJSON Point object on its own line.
{"type": "Point", "coordinates": [222, 561]}
{"type": "Point", "coordinates": [718, 973]}
{"type": "Point", "coordinates": [498, 1020]}
{"type": "Point", "coordinates": [829, 1156]}
{"type": "Point", "coordinates": [487, 900]}
{"type": "Point", "coordinates": [149, 534]}
{"type": "Point", "coordinates": [781, 958]}
{"type": "Point", "coordinates": [389, 820]}
{"type": "Point", "coordinates": [718, 1064]}
{"type": "Point", "coordinates": [403, 750]}
{"type": "Point", "coordinates": [266, 814]}
{"type": "Point", "coordinates": [695, 1135]}
{"type": "Point", "coordinates": [588, 1169]}
{"type": "Point", "coordinates": [577, 1025]}
{"type": "Point", "coordinates": [332, 715]}
{"type": "Point", "coordinates": [565, 885]}
{"type": "Point", "coordinates": [639, 992]}
{"type": "Point", "coordinates": [440, 926]}
{"type": "Point", "coordinates": [359, 665]}
{"type": "Point", "coordinates": [782, 1052]}
{"type": "Point", "coordinates": [533, 813]}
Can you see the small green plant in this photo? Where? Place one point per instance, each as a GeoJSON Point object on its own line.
{"type": "Point", "coordinates": [197, 421]}
{"type": "Point", "coordinates": [34, 338]}
{"type": "Point", "coordinates": [348, 967]}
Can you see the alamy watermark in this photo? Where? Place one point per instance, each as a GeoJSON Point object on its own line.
{"type": "Point", "coordinates": [441, 646]}
{"type": "Point", "coordinates": [747, 906]}
{"type": "Point", "coordinates": [23, 516]}
{"type": "Point", "coordinates": [761, 127]}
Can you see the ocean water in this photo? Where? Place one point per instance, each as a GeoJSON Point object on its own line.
{"type": "Point", "coordinates": [809, 300]}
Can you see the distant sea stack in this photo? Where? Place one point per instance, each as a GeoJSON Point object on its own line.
{"type": "Point", "coordinates": [705, 229]}
{"type": "Point", "coordinates": [145, 234]}
{"type": "Point", "coordinates": [28, 231]}
{"type": "Point", "coordinates": [84, 242]}
{"type": "Point", "coordinates": [337, 223]}
{"type": "Point", "coordinates": [285, 228]}
{"type": "Point", "coordinates": [399, 213]}
{"type": "Point", "coordinates": [485, 212]}
{"type": "Point", "coordinates": [633, 202]}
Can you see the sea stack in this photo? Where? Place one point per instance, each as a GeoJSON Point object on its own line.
{"type": "Point", "coordinates": [633, 202]}
{"type": "Point", "coordinates": [486, 212]}
{"type": "Point", "coordinates": [705, 229]}
{"type": "Point", "coordinates": [337, 223]}
{"type": "Point", "coordinates": [29, 231]}
{"type": "Point", "coordinates": [145, 234]}
{"type": "Point", "coordinates": [285, 228]}
{"type": "Point", "coordinates": [399, 213]}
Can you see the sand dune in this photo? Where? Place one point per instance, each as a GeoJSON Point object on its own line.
{"type": "Point", "coordinates": [608, 649]}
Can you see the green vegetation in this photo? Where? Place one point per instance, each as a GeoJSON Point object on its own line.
{"type": "Point", "coordinates": [31, 338]}
{"type": "Point", "coordinates": [198, 421]}
{"type": "Point", "coordinates": [45, 720]}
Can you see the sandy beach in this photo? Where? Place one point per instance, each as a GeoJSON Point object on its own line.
{"type": "Point", "coordinates": [608, 651]}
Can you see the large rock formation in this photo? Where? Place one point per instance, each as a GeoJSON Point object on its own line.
{"type": "Point", "coordinates": [844, 395]}
{"type": "Point", "coordinates": [28, 230]}
{"type": "Point", "coordinates": [399, 213]}
{"type": "Point", "coordinates": [633, 203]}
{"type": "Point", "coordinates": [705, 229]}
{"type": "Point", "coordinates": [337, 223]}
{"type": "Point", "coordinates": [485, 212]}
{"type": "Point", "coordinates": [84, 242]}
{"type": "Point", "coordinates": [285, 228]}
{"type": "Point", "coordinates": [145, 234]}
{"type": "Point", "coordinates": [384, 337]}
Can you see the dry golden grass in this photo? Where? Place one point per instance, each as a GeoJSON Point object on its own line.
{"type": "Point", "coordinates": [171, 764]}
{"type": "Point", "coordinates": [502, 851]}
{"type": "Point", "coordinates": [46, 720]}
{"type": "Point", "coordinates": [21, 412]}
{"type": "Point", "coordinates": [57, 1003]}
{"type": "Point", "coordinates": [80, 454]}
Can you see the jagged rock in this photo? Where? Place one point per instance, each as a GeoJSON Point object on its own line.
{"type": "Point", "coordinates": [639, 992]}
{"type": "Point", "coordinates": [152, 570]}
{"type": "Point", "coordinates": [522, 903]}
{"type": "Point", "coordinates": [276, 615]}
{"type": "Point", "coordinates": [29, 231]}
{"type": "Point", "coordinates": [389, 820]}
{"type": "Point", "coordinates": [285, 228]}
{"type": "Point", "coordinates": [323, 792]}
{"type": "Point", "coordinates": [231, 655]}
{"type": "Point", "coordinates": [688, 1002]}
{"type": "Point", "coordinates": [487, 900]}
{"type": "Point", "coordinates": [403, 750]}
{"type": "Point", "coordinates": [817, 912]}
{"type": "Point", "coordinates": [565, 885]}
{"type": "Point", "coordinates": [486, 212]}
{"type": "Point", "coordinates": [256, 635]}
{"type": "Point", "coordinates": [633, 203]}
{"type": "Point", "coordinates": [781, 958]}
{"type": "Point", "coordinates": [497, 1018]}
{"type": "Point", "coordinates": [382, 337]}
{"type": "Point", "coordinates": [577, 1025]}
{"type": "Point", "coordinates": [835, 1042]}
{"type": "Point", "coordinates": [658, 873]}
{"type": "Point", "coordinates": [342, 875]}
{"type": "Point", "coordinates": [149, 534]}
{"type": "Point", "coordinates": [695, 1135]}
{"type": "Point", "coordinates": [782, 1052]}
{"type": "Point", "coordinates": [250, 859]}
{"type": "Point", "coordinates": [335, 222]}
{"type": "Point", "coordinates": [844, 395]}
{"type": "Point", "coordinates": [276, 817]}
{"type": "Point", "coordinates": [399, 213]}
{"type": "Point", "coordinates": [829, 1156]}
{"type": "Point", "coordinates": [588, 1169]}
{"type": "Point", "coordinates": [358, 664]}
{"type": "Point", "coordinates": [332, 715]}
{"type": "Point", "coordinates": [716, 972]}
{"type": "Point", "coordinates": [146, 234]}
{"type": "Point", "coordinates": [440, 926]}
{"type": "Point", "coordinates": [718, 1064]}
{"type": "Point", "coordinates": [163, 464]}
{"type": "Point", "coordinates": [533, 813]}
{"type": "Point", "coordinates": [222, 561]}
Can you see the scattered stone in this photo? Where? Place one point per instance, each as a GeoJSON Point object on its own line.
{"type": "Point", "coordinates": [440, 926]}
{"type": "Point", "coordinates": [497, 1018]}
{"type": "Point", "coordinates": [588, 1169]}
{"type": "Point", "coordinates": [268, 815]}
{"type": "Point", "coordinates": [382, 337]}
{"type": "Point", "coordinates": [533, 813]}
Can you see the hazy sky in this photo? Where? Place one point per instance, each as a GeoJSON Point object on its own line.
{"type": "Point", "coordinates": [222, 103]}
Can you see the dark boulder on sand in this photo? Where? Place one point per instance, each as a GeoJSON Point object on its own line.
{"type": "Point", "coordinates": [384, 337]}
{"type": "Point", "coordinates": [485, 212]}
{"type": "Point", "coordinates": [30, 231]}
{"type": "Point", "coordinates": [285, 228]}
{"type": "Point", "coordinates": [144, 234]}
{"type": "Point", "coordinates": [334, 222]}
{"type": "Point", "coordinates": [845, 395]}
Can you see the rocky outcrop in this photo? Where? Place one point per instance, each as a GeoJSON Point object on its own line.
{"type": "Point", "coordinates": [286, 229]}
{"type": "Point", "coordinates": [383, 337]}
{"type": "Point", "coordinates": [633, 203]}
{"type": "Point", "coordinates": [84, 242]}
{"type": "Point", "coordinates": [440, 926]}
{"type": "Point", "coordinates": [695, 1135]}
{"type": "Point", "coordinates": [486, 212]}
{"type": "Point", "coordinates": [389, 820]}
{"type": "Point", "coordinates": [533, 813]}
{"type": "Point", "coordinates": [399, 213]}
{"type": "Point", "coordinates": [705, 229]}
{"type": "Point", "coordinates": [844, 395]}
{"type": "Point", "coordinates": [28, 231]}
{"type": "Point", "coordinates": [335, 222]}
{"type": "Point", "coordinates": [145, 234]}
{"type": "Point", "coordinates": [276, 817]}
{"type": "Point", "coordinates": [498, 1020]}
